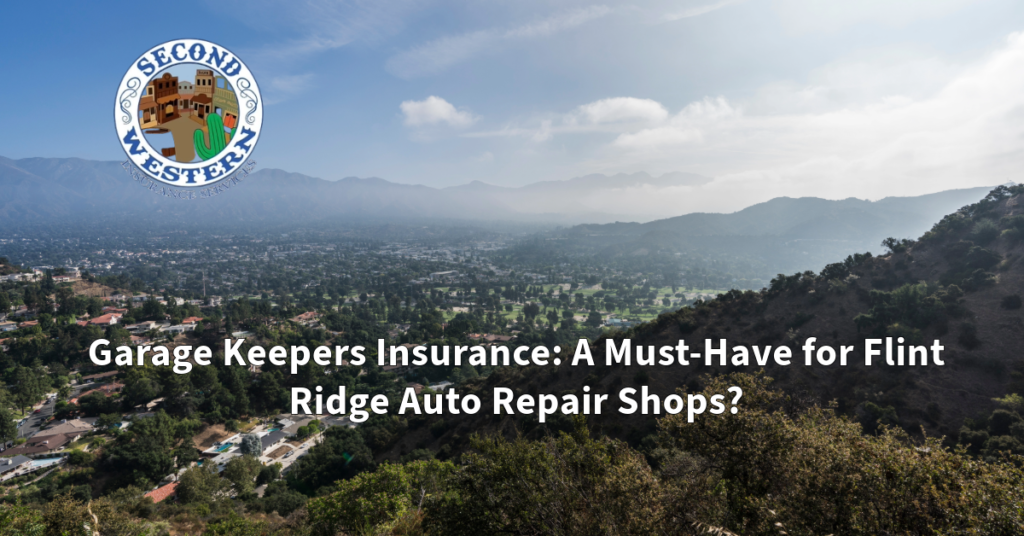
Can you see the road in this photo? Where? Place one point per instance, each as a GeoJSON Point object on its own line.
{"type": "Point", "coordinates": [36, 420]}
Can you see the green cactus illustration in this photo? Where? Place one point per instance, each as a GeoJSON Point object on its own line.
{"type": "Point", "coordinates": [205, 150]}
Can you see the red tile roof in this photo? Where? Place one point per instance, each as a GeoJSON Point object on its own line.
{"type": "Point", "coordinates": [162, 492]}
{"type": "Point", "coordinates": [106, 319]}
{"type": "Point", "coordinates": [192, 320]}
{"type": "Point", "coordinates": [311, 315]}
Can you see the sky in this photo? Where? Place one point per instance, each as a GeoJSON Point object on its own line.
{"type": "Point", "coordinates": [769, 97]}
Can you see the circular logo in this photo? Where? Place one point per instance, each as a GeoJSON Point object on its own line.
{"type": "Point", "coordinates": [188, 113]}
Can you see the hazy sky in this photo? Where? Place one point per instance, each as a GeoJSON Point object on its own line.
{"type": "Point", "coordinates": [770, 97]}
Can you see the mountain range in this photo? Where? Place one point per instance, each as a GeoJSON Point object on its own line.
{"type": "Point", "coordinates": [64, 189]}
{"type": "Point", "coordinates": [72, 189]}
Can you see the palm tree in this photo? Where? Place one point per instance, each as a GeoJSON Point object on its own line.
{"type": "Point", "coordinates": [64, 392]}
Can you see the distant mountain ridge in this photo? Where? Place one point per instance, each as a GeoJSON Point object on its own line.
{"type": "Point", "coordinates": [785, 233]}
{"type": "Point", "coordinates": [70, 189]}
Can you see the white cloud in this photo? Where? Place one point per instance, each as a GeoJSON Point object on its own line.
{"type": "Point", "coordinates": [434, 111]}
{"type": "Point", "coordinates": [437, 55]}
{"type": "Point", "coordinates": [622, 109]}
{"type": "Point", "coordinates": [965, 133]}
{"type": "Point", "coordinates": [960, 127]}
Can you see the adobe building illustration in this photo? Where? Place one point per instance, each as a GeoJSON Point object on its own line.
{"type": "Point", "coordinates": [200, 115]}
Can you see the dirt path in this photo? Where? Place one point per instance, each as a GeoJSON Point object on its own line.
{"type": "Point", "coordinates": [181, 131]}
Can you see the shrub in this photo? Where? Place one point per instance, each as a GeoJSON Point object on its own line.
{"type": "Point", "coordinates": [985, 231]}
{"type": "Point", "coordinates": [1011, 302]}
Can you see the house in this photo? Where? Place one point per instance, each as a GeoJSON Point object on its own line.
{"type": "Point", "coordinates": [75, 427]}
{"type": "Point", "coordinates": [28, 323]}
{"type": "Point", "coordinates": [108, 319]}
{"type": "Point", "coordinates": [42, 444]}
{"type": "Point", "coordinates": [307, 318]}
{"type": "Point", "coordinates": [224, 101]}
{"type": "Point", "coordinates": [8, 326]}
{"type": "Point", "coordinates": [101, 376]}
{"type": "Point", "coordinates": [163, 492]}
{"type": "Point", "coordinates": [107, 390]}
{"type": "Point", "coordinates": [192, 320]}
{"type": "Point", "coordinates": [21, 311]}
{"type": "Point", "coordinates": [293, 427]}
{"type": "Point", "coordinates": [272, 439]}
{"type": "Point", "coordinates": [9, 466]}
{"type": "Point", "coordinates": [179, 328]}
{"type": "Point", "coordinates": [142, 326]}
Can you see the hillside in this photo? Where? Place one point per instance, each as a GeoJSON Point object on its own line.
{"type": "Point", "coordinates": [959, 283]}
{"type": "Point", "coordinates": [780, 235]}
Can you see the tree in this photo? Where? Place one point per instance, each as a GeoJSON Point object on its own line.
{"type": "Point", "coordinates": [342, 454]}
{"type": "Point", "coordinates": [200, 484]}
{"type": "Point", "coordinates": [378, 499]}
{"type": "Point", "coordinates": [238, 526]}
{"type": "Point", "coordinates": [28, 386]}
{"type": "Point", "coordinates": [594, 319]}
{"type": "Point", "coordinates": [8, 428]}
{"type": "Point", "coordinates": [143, 453]}
{"type": "Point", "coordinates": [67, 516]}
{"type": "Point", "coordinates": [139, 386]}
{"type": "Point", "coordinates": [80, 458]}
{"type": "Point", "coordinates": [108, 419]}
{"type": "Point", "coordinates": [278, 497]}
{"type": "Point", "coordinates": [98, 403]}
{"type": "Point", "coordinates": [18, 520]}
{"type": "Point", "coordinates": [251, 445]}
{"type": "Point", "coordinates": [569, 485]}
{"type": "Point", "coordinates": [269, 473]}
{"type": "Point", "coordinates": [241, 471]}
{"type": "Point", "coordinates": [152, 309]}
{"type": "Point", "coordinates": [815, 472]}
{"type": "Point", "coordinates": [531, 310]}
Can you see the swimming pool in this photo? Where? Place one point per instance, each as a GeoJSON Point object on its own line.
{"type": "Point", "coordinates": [224, 447]}
{"type": "Point", "coordinates": [274, 430]}
{"type": "Point", "coordinates": [44, 462]}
